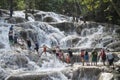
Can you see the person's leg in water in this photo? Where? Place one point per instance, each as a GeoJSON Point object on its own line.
{"type": "Point", "coordinates": [103, 60]}
{"type": "Point", "coordinates": [37, 50]}
{"type": "Point", "coordinates": [42, 53]}
{"type": "Point", "coordinates": [82, 60]}
{"type": "Point", "coordinates": [96, 63]}
{"type": "Point", "coordinates": [11, 40]}
{"type": "Point", "coordinates": [111, 62]}
{"type": "Point", "coordinates": [71, 60]}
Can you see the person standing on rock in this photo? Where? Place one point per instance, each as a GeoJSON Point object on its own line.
{"type": "Point", "coordinates": [36, 46]}
{"type": "Point", "coordinates": [110, 58]}
{"type": "Point", "coordinates": [94, 57]}
{"type": "Point", "coordinates": [86, 58]}
{"type": "Point", "coordinates": [44, 49]}
{"type": "Point", "coordinates": [57, 51]}
{"type": "Point", "coordinates": [11, 28]}
{"type": "Point", "coordinates": [103, 56]}
{"type": "Point", "coordinates": [21, 42]}
{"type": "Point", "coordinates": [10, 34]}
{"type": "Point", "coordinates": [15, 39]}
{"type": "Point", "coordinates": [29, 44]}
{"type": "Point", "coordinates": [61, 55]}
{"type": "Point", "coordinates": [70, 55]}
{"type": "Point", "coordinates": [82, 57]}
{"type": "Point", "coordinates": [67, 58]}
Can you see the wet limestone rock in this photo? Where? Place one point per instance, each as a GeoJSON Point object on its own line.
{"type": "Point", "coordinates": [64, 26]}
{"type": "Point", "coordinates": [35, 76]}
{"type": "Point", "coordinates": [114, 45]}
{"type": "Point", "coordinates": [38, 17]}
{"type": "Point", "coordinates": [2, 45]}
{"type": "Point", "coordinates": [49, 19]}
{"type": "Point", "coordinates": [86, 73]}
{"type": "Point", "coordinates": [15, 20]}
{"type": "Point", "coordinates": [4, 13]}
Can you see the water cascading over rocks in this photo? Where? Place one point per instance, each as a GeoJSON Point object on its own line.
{"type": "Point", "coordinates": [51, 29]}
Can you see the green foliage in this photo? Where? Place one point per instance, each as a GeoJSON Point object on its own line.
{"type": "Point", "coordinates": [110, 9]}
{"type": "Point", "coordinates": [21, 4]}
{"type": "Point", "coordinates": [109, 17]}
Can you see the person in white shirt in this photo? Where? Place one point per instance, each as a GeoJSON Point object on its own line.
{"type": "Point", "coordinates": [110, 58]}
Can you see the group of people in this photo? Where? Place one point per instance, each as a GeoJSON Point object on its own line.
{"type": "Point", "coordinates": [85, 57]}
{"type": "Point", "coordinates": [95, 56]}
{"type": "Point", "coordinates": [90, 58]}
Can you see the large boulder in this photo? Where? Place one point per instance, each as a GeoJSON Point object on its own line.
{"type": "Point", "coordinates": [86, 73]}
{"type": "Point", "coordinates": [35, 76]}
{"type": "Point", "coordinates": [72, 74]}
{"type": "Point", "coordinates": [49, 19]}
{"type": "Point", "coordinates": [15, 20]}
{"type": "Point", "coordinates": [118, 31]}
{"type": "Point", "coordinates": [4, 13]}
{"type": "Point", "coordinates": [64, 26]}
{"type": "Point", "coordinates": [38, 17]}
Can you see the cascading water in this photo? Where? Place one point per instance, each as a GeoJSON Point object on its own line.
{"type": "Point", "coordinates": [14, 60]}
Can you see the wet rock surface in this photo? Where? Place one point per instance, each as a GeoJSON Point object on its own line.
{"type": "Point", "coordinates": [2, 45]}
{"type": "Point", "coordinates": [114, 45]}
{"type": "Point", "coordinates": [15, 20]}
{"type": "Point", "coordinates": [64, 26]}
{"type": "Point", "coordinates": [80, 73]}
{"type": "Point", "coordinates": [49, 19]}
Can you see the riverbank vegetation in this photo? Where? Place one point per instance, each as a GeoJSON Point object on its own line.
{"type": "Point", "coordinates": [92, 10]}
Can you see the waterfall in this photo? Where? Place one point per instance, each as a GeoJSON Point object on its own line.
{"type": "Point", "coordinates": [16, 61]}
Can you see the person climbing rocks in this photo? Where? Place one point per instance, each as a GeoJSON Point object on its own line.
{"type": "Point", "coordinates": [44, 49]}
{"type": "Point", "coordinates": [29, 44]}
{"type": "Point", "coordinates": [21, 43]}
{"type": "Point", "coordinates": [71, 55]}
{"type": "Point", "coordinates": [67, 58]}
{"type": "Point", "coordinates": [94, 57]}
{"type": "Point", "coordinates": [53, 50]}
{"type": "Point", "coordinates": [11, 28]}
{"type": "Point", "coordinates": [10, 34]}
{"type": "Point", "coordinates": [57, 51]}
{"type": "Point", "coordinates": [82, 57]}
{"type": "Point", "coordinates": [103, 56]}
{"type": "Point", "coordinates": [60, 55]}
{"type": "Point", "coordinates": [86, 57]}
{"type": "Point", "coordinates": [15, 39]}
{"type": "Point", "coordinates": [110, 58]}
{"type": "Point", "coordinates": [36, 46]}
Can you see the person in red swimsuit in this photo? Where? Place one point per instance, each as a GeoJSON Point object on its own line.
{"type": "Point", "coordinates": [44, 49]}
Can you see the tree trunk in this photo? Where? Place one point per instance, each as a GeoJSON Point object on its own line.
{"type": "Point", "coordinates": [11, 8]}
{"type": "Point", "coordinates": [26, 9]}
{"type": "Point", "coordinates": [114, 6]}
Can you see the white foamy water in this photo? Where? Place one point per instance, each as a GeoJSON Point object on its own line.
{"type": "Point", "coordinates": [106, 76]}
{"type": "Point", "coordinates": [56, 17]}
{"type": "Point", "coordinates": [15, 59]}
{"type": "Point", "coordinates": [4, 30]}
